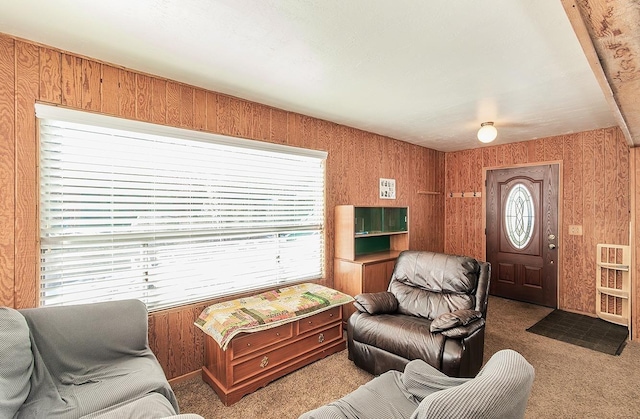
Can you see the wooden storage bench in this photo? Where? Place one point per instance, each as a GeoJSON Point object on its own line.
{"type": "Point", "coordinates": [252, 360]}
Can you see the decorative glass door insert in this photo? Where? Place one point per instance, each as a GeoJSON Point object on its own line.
{"type": "Point", "coordinates": [519, 216]}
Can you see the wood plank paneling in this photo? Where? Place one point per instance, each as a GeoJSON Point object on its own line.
{"type": "Point", "coordinates": [623, 191]}
{"type": "Point", "coordinates": [572, 288]}
{"type": "Point", "coordinates": [71, 81]}
{"type": "Point", "coordinates": [50, 75]}
{"type": "Point", "coordinates": [553, 148]}
{"type": "Point", "coordinates": [278, 126]}
{"type": "Point", "coordinates": [212, 112]}
{"type": "Point", "coordinates": [158, 101]}
{"type": "Point", "coordinates": [7, 171]}
{"type": "Point", "coordinates": [242, 112]}
{"type": "Point", "coordinates": [26, 193]}
{"type": "Point", "coordinates": [589, 196]}
{"type": "Point", "coordinates": [144, 96]}
{"type": "Point", "coordinates": [173, 104]}
{"type": "Point", "coordinates": [91, 84]}
{"type": "Point", "coordinates": [635, 273]}
{"type": "Point", "coordinates": [224, 120]}
{"type": "Point", "coordinates": [356, 160]}
{"type": "Point", "coordinates": [231, 116]}
{"type": "Point", "coordinates": [175, 362]}
{"type": "Point", "coordinates": [188, 330]}
{"type": "Point", "coordinates": [110, 87]}
{"type": "Point", "coordinates": [596, 187]}
{"type": "Point", "coordinates": [186, 107]}
{"type": "Point", "coordinates": [159, 339]}
{"type": "Point", "coordinates": [127, 94]}
{"type": "Point", "coordinates": [261, 122]}
{"type": "Point", "coordinates": [199, 109]}
{"type": "Point", "coordinates": [535, 151]}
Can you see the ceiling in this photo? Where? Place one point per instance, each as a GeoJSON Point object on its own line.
{"type": "Point", "coordinates": [425, 72]}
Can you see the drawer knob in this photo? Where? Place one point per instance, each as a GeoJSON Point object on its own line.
{"type": "Point", "coordinates": [331, 315]}
{"type": "Point", "coordinates": [278, 334]}
{"type": "Point", "coordinates": [248, 344]}
{"type": "Point", "coordinates": [310, 322]}
{"type": "Point", "coordinates": [321, 338]}
{"type": "Point", "coordinates": [264, 362]}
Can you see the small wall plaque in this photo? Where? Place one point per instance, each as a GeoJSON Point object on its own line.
{"type": "Point", "coordinates": [387, 188]}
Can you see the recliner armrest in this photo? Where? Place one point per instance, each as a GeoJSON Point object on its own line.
{"type": "Point", "coordinates": [456, 318]}
{"type": "Point", "coordinates": [460, 332]}
{"type": "Point", "coordinates": [376, 303]}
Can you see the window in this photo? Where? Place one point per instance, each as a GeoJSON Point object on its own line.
{"type": "Point", "coordinates": [171, 216]}
{"type": "Point", "coordinates": [519, 216]}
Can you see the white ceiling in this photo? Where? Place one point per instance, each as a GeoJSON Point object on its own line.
{"type": "Point", "coordinates": [425, 72]}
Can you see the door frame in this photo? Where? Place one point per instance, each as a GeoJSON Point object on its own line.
{"type": "Point", "coordinates": [560, 219]}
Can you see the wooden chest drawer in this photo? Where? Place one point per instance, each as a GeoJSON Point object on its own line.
{"type": "Point", "coordinates": [250, 342]}
{"type": "Point", "coordinates": [264, 362]}
{"type": "Point", "coordinates": [320, 319]}
{"type": "Point", "coordinates": [254, 359]}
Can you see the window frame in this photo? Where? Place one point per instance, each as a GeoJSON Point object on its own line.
{"type": "Point", "coordinates": [145, 128]}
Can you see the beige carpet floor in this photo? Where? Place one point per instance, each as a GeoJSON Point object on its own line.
{"type": "Point", "coordinates": [571, 382]}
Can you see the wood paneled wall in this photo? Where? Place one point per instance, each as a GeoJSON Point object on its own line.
{"type": "Point", "coordinates": [595, 194]}
{"type": "Point", "coordinates": [356, 160]}
{"type": "Point", "coordinates": [635, 242]}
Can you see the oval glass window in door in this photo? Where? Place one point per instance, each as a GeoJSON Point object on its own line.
{"type": "Point", "coordinates": [519, 216]}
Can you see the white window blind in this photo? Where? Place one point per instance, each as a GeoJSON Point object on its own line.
{"type": "Point", "coordinates": [171, 216]}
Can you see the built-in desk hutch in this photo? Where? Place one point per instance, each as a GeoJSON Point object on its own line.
{"type": "Point", "coordinates": [368, 241]}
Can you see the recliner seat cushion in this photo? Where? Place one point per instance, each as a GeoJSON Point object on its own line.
{"type": "Point", "coordinates": [16, 364]}
{"type": "Point", "coordinates": [400, 334]}
{"type": "Point", "coordinates": [450, 281]}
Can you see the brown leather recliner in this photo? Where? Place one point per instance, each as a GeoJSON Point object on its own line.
{"type": "Point", "coordinates": [435, 310]}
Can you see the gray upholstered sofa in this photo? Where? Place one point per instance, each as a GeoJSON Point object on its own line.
{"type": "Point", "coordinates": [499, 391]}
{"type": "Point", "coordinates": [81, 361]}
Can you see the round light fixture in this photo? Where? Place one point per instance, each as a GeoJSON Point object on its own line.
{"type": "Point", "coordinates": [487, 132]}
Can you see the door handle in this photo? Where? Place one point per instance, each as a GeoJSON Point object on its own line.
{"type": "Point", "coordinates": [552, 246]}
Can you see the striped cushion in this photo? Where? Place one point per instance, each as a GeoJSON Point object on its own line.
{"type": "Point", "coordinates": [16, 361]}
{"type": "Point", "coordinates": [499, 391]}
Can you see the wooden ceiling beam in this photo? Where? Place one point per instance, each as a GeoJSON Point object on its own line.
{"type": "Point", "coordinates": [609, 32]}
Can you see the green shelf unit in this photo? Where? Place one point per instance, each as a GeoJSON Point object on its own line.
{"type": "Point", "coordinates": [376, 220]}
{"type": "Point", "coordinates": [365, 230]}
{"type": "Point", "coordinates": [372, 244]}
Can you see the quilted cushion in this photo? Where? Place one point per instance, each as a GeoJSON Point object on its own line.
{"type": "Point", "coordinates": [16, 361]}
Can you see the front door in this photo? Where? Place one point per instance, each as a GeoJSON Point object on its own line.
{"type": "Point", "coordinates": [522, 233]}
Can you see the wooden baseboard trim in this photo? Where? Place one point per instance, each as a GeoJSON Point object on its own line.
{"type": "Point", "coordinates": [185, 377]}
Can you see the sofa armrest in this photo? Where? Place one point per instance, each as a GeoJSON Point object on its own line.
{"type": "Point", "coordinates": [376, 303]}
{"type": "Point", "coordinates": [70, 338]}
{"type": "Point", "coordinates": [422, 379]}
{"type": "Point", "coordinates": [454, 319]}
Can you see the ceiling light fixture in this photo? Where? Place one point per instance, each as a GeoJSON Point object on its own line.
{"type": "Point", "coordinates": [487, 132]}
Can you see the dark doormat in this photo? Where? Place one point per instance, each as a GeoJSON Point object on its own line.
{"type": "Point", "coordinates": [585, 331]}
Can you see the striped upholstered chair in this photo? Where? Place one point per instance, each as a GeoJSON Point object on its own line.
{"type": "Point", "coordinates": [499, 391]}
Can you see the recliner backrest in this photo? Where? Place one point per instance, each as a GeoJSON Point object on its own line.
{"type": "Point", "coordinates": [427, 284]}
